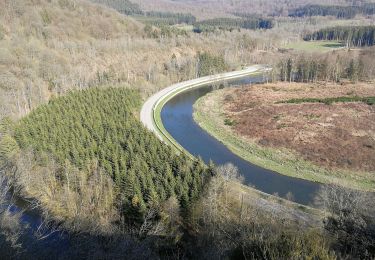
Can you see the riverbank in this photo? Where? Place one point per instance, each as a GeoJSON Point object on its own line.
{"type": "Point", "coordinates": [151, 109]}
{"type": "Point", "coordinates": [210, 115]}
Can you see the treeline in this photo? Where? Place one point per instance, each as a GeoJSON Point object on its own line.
{"type": "Point", "coordinates": [99, 125]}
{"type": "Point", "coordinates": [341, 12]}
{"type": "Point", "coordinates": [232, 24]}
{"type": "Point", "coordinates": [329, 68]}
{"type": "Point", "coordinates": [351, 35]}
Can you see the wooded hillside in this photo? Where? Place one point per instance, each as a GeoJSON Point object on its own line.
{"type": "Point", "coordinates": [99, 125]}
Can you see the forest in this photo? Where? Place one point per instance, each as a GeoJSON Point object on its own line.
{"type": "Point", "coordinates": [357, 36]}
{"type": "Point", "coordinates": [340, 12]}
{"type": "Point", "coordinates": [326, 68]}
{"type": "Point", "coordinates": [99, 125]}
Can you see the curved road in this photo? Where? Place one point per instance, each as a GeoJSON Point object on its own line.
{"type": "Point", "coordinates": [147, 111]}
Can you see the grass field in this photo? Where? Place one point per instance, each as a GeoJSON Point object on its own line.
{"type": "Point", "coordinates": [315, 46]}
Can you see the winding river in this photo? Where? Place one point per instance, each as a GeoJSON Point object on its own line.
{"type": "Point", "coordinates": [177, 118]}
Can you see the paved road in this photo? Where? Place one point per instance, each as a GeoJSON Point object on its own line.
{"type": "Point", "coordinates": [147, 115]}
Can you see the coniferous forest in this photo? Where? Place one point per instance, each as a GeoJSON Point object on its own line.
{"type": "Point", "coordinates": [340, 12]}
{"type": "Point", "coordinates": [99, 124]}
{"type": "Point", "coordinates": [351, 35]}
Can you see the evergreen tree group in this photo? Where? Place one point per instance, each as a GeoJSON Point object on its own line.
{"type": "Point", "coordinates": [209, 64]}
{"type": "Point", "coordinates": [313, 69]}
{"type": "Point", "coordinates": [341, 12]}
{"type": "Point", "coordinates": [229, 24]}
{"type": "Point", "coordinates": [101, 125]}
{"type": "Point", "coordinates": [352, 35]}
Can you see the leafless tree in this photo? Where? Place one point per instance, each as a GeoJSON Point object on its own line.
{"type": "Point", "coordinates": [350, 220]}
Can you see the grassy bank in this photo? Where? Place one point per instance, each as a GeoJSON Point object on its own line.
{"type": "Point", "coordinates": [161, 129]}
{"type": "Point", "coordinates": [208, 113]}
{"type": "Point", "coordinates": [157, 115]}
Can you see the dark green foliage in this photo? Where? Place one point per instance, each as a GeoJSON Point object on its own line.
{"type": "Point", "coordinates": [367, 100]}
{"type": "Point", "coordinates": [341, 12]}
{"type": "Point", "coordinates": [232, 24]}
{"type": "Point", "coordinates": [209, 64]}
{"type": "Point", "coordinates": [351, 35]}
{"type": "Point", "coordinates": [100, 125]}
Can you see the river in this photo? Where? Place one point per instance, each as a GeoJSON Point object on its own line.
{"type": "Point", "coordinates": [177, 117]}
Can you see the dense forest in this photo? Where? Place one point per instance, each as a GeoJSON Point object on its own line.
{"type": "Point", "coordinates": [352, 35]}
{"type": "Point", "coordinates": [341, 12]}
{"type": "Point", "coordinates": [99, 125]}
{"type": "Point", "coordinates": [233, 23]}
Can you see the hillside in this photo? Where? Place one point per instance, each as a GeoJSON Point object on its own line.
{"type": "Point", "coordinates": [73, 135]}
{"type": "Point", "coordinates": [50, 47]}
{"type": "Point", "coordinates": [204, 9]}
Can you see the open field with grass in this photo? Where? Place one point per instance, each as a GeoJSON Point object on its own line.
{"type": "Point", "coordinates": [315, 46]}
{"type": "Point", "coordinates": [319, 142]}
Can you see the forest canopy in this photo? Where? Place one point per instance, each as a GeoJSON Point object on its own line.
{"type": "Point", "coordinates": [99, 125]}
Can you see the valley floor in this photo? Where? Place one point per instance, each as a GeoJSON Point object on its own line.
{"type": "Point", "coordinates": [323, 142]}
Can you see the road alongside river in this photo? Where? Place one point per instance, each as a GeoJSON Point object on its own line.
{"type": "Point", "coordinates": [178, 124]}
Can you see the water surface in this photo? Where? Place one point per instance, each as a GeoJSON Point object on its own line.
{"type": "Point", "coordinates": [177, 117]}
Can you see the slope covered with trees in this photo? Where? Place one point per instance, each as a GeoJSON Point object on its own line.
{"type": "Point", "coordinates": [99, 125]}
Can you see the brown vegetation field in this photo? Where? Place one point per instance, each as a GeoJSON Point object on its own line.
{"type": "Point", "coordinates": [339, 135]}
